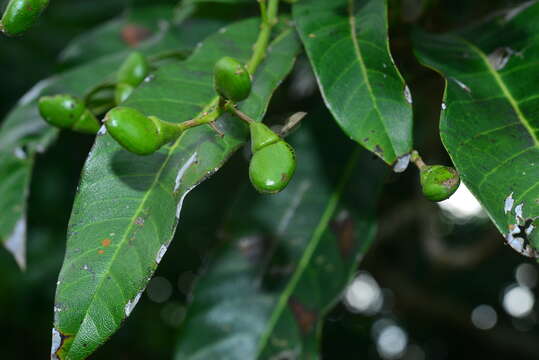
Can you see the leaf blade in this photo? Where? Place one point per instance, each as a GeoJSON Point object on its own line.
{"type": "Point", "coordinates": [24, 133]}
{"type": "Point", "coordinates": [266, 290]}
{"type": "Point", "coordinates": [151, 190]}
{"type": "Point", "coordinates": [488, 124]}
{"type": "Point", "coordinates": [349, 51]}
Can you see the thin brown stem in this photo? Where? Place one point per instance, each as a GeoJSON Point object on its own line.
{"type": "Point", "coordinates": [417, 160]}
{"type": "Point", "coordinates": [232, 109]}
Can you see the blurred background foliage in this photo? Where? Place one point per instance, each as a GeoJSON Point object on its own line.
{"type": "Point", "coordinates": [437, 284]}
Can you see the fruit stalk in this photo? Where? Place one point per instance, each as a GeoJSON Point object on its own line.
{"type": "Point", "coordinates": [241, 115]}
{"type": "Point", "coordinates": [417, 160]}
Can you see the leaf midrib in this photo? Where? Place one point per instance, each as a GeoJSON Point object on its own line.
{"type": "Point", "coordinates": [212, 103]}
{"type": "Point", "coordinates": [309, 250]}
{"type": "Point", "coordinates": [522, 118]}
{"type": "Point", "coordinates": [357, 50]}
{"type": "Point", "coordinates": [124, 237]}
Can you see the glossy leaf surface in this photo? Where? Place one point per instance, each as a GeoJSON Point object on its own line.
{"type": "Point", "coordinates": [23, 133]}
{"type": "Point", "coordinates": [128, 206]}
{"type": "Point", "coordinates": [347, 45]}
{"type": "Point", "coordinates": [287, 257]}
{"type": "Point", "coordinates": [489, 120]}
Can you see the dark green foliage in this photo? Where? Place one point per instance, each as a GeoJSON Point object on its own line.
{"type": "Point", "coordinates": [243, 274]}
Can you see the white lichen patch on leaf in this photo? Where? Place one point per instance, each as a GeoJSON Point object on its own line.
{"type": "Point", "coordinates": [508, 204]}
{"type": "Point", "coordinates": [500, 57]}
{"type": "Point", "coordinates": [519, 243]}
{"type": "Point", "coordinates": [56, 343]}
{"type": "Point", "coordinates": [529, 229]}
{"type": "Point", "coordinates": [183, 170]}
{"type": "Point", "coordinates": [149, 78]}
{"type": "Point", "coordinates": [402, 163]}
{"type": "Point", "coordinates": [517, 10]}
{"type": "Point", "coordinates": [462, 85]}
{"type": "Point", "coordinates": [19, 153]}
{"type": "Point", "coordinates": [131, 304]}
{"type": "Point", "coordinates": [161, 253]}
{"type": "Point", "coordinates": [102, 130]}
{"type": "Point", "coordinates": [518, 235]}
{"type": "Point", "coordinates": [180, 202]}
{"type": "Point", "coordinates": [408, 95]}
{"type": "Point", "coordinates": [518, 211]}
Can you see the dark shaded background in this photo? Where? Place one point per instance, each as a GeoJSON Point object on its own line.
{"type": "Point", "coordinates": [430, 295]}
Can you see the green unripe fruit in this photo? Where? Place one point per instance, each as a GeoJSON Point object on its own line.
{"type": "Point", "coordinates": [272, 167]}
{"type": "Point", "coordinates": [122, 92]}
{"type": "Point", "coordinates": [439, 182]}
{"type": "Point", "coordinates": [261, 136]}
{"type": "Point", "coordinates": [138, 133]}
{"type": "Point", "coordinates": [20, 15]}
{"type": "Point", "coordinates": [273, 163]}
{"type": "Point", "coordinates": [134, 69]}
{"type": "Point", "coordinates": [231, 79]}
{"type": "Point", "coordinates": [68, 112]}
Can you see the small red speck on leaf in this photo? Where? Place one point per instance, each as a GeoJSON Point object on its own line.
{"type": "Point", "coordinates": [132, 35]}
{"type": "Point", "coordinates": [306, 318]}
{"type": "Point", "coordinates": [345, 231]}
{"type": "Point", "coordinates": [106, 242]}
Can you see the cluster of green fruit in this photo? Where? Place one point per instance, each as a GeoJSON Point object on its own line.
{"type": "Point", "coordinates": [20, 15]}
{"type": "Point", "coordinates": [273, 162]}
{"type": "Point", "coordinates": [69, 112]}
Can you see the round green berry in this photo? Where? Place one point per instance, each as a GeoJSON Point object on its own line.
{"type": "Point", "coordinates": [122, 92]}
{"type": "Point", "coordinates": [133, 130]}
{"type": "Point", "coordinates": [439, 182]}
{"type": "Point", "coordinates": [134, 69]}
{"type": "Point", "coordinates": [20, 15]}
{"type": "Point", "coordinates": [138, 133]}
{"type": "Point", "coordinates": [272, 167]}
{"type": "Point", "coordinates": [231, 79]}
{"type": "Point", "coordinates": [68, 112]}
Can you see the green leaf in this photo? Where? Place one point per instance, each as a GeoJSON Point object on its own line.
{"type": "Point", "coordinates": [128, 206]}
{"type": "Point", "coordinates": [24, 133]}
{"type": "Point", "coordinates": [287, 257]}
{"type": "Point", "coordinates": [347, 44]}
{"type": "Point", "coordinates": [489, 122]}
{"type": "Point", "coordinates": [14, 189]}
{"type": "Point", "coordinates": [140, 28]}
{"type": "Point", "coordinates": [137, 27]}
